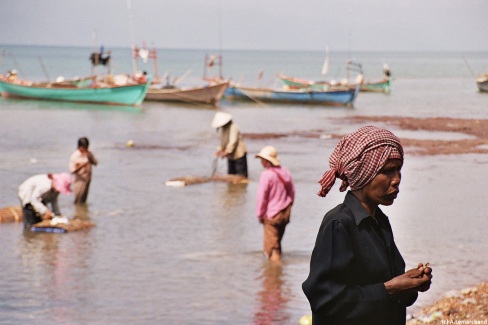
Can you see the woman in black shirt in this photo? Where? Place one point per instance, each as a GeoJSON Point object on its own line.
{"type": "Point", "coordinates": [357, 275]}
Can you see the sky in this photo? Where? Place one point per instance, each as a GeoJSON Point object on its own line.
{"type": "Point", "coordinates": [310, 25]}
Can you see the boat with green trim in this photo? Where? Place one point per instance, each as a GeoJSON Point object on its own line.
{"type": "Point", "coordinates": [105, 92]}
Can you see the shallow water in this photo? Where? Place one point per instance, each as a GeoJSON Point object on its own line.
{"type": "Point", "coordinates": [192, 255]}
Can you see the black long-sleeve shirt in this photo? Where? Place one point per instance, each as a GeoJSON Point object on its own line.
{"type": "Point", "coordinates": [354, 255]}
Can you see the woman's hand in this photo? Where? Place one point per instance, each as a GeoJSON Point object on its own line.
{"type": "Point", "coordinates": [427, 270]}
{"type": "Point", "coordinates": [418, 279]}
{"type": "Point", "coordinates": [48, 215]}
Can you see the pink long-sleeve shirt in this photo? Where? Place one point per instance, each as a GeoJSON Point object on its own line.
{"type": "Point", "coordinates": [272, 196]}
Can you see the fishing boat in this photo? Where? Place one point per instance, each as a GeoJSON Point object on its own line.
{"type": "Point", "coordinates": [482, 83]}
{"type": "Point", "coordinates": [330, 97]}
{"type": "Point", "coordinates": [209, 94]}
{"type": "Point", "coordinates": [383, 85]}
{"type": "Point", "coordinates": [98, 92]}
{"type": "Point", "coordinates": [297, 83]}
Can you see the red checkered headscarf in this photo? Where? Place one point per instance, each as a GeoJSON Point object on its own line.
{"type": "Point", "coordinates": [358, 158]}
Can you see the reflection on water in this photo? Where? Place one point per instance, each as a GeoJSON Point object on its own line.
{"type": "Point", "coordinates": [273, 296]}
{"type": "Point", "coordinates": [82, 211]}
{"type": "Point", "coordinates": [53, 263]}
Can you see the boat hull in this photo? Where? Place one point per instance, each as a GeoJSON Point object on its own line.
{"type": "Point", "coordinates": [379, 87]}
{"type": "Point", "coordinates": [482, 83]}
{"type": "Point", "coordinates": [302, 96]}
{"type": "Point", "coordinates": [129, 95]}
{"type": "Point", "coordinates": [382, 86]}
{"type": "Point", "coordinates": [209, 95]}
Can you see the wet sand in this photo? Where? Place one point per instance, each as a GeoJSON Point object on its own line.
{"type": "Point", "coordinates": [476, 132]}
{"type": "Point", "coordinates": [478, 129]}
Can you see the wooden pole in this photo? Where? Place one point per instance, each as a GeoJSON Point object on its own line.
{"type": "Point", "coordinates": [46, 74]}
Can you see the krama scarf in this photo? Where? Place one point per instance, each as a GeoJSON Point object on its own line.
{"type": "Point", "coordinates": [358, 158]}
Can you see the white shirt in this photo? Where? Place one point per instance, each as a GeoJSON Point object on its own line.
{"type": "Point", "coordinates": [37, 189]}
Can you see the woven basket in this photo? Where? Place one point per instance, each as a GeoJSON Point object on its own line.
{"type": "Point", "coordinates": [73, 225]}
{"type": "Point", "coordinates": [11, 214]}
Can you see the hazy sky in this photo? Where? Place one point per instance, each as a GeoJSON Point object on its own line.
{"type": "Point", "coordinates": [357, 25]}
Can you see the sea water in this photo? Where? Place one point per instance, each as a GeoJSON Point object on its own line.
{"type": "Point", "coordinates": [192, 255]}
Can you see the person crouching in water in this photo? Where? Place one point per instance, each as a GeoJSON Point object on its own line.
{"type": "Point", "coordinates": [275, 196]}
{"type": "Point", "coordinates": [38, 191]}
{"type": "Point", "coordinates": [231, 146]}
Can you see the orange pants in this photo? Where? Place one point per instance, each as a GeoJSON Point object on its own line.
{"type": "Point", "coordinates": [274, 229]}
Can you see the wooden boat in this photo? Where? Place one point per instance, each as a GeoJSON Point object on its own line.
{"type": "Point", "coordinates": [334, 97]}
{"type": "Point", "coordinates": [98, 93]}
{"type": "Point", "coordinates": [297, 83]}
{"type": "Point", "coordinates": [482, 83]}
{"type": "Point", "coordinates": [383, 85]}
{"type": "Point", "coordinates": [209, 94]}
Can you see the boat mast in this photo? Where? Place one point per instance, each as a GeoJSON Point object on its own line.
{"type": "Point", "coordinates": [220, 39]}
{"type": "Point", "coordinates": [131, 27]}
{"type": "Point", "coordinates": [95, 51]}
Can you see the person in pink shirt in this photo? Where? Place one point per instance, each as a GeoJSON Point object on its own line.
{"type": "Point", "coordinates": [275, 196]}
{"type": "Point", "coordinates": [80, 164]}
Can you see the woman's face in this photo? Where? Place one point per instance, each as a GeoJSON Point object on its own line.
{"type": "Point", "coordinates": [265, 163]}
{"type": "Point", "coordinates": [384, 188]}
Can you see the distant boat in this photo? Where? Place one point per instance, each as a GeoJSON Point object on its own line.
{"type": "Point", "coordinates": [371, 86]}
{"type": "Point", "coordinates": [482, 83]}
{"type": "Point", "coordinates": [340, 97]}
{"type": "Point", "coordinates": [208, 94]}
{"type": "Point", "coordinates": [98, 93]}
{"type": "Point", "coordinates": [383, 85]}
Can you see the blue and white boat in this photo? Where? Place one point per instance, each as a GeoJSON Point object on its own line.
{"type": "Point", "coordinates": [329, 97]}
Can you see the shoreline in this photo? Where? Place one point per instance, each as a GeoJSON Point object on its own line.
{"type": "Point", "coordinates": [466, 306]}
{"type": "Point", "coordinates": [476, 131]}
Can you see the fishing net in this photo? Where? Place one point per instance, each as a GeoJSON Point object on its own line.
{"type": "Point", "coordinates": [191, 180]}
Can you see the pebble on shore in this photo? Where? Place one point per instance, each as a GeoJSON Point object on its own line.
{"type": "Point", "coordinates": [467, 306]}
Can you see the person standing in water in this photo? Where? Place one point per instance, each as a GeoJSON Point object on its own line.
{"type": "Point", "coordinates": [231, 146]}
{"type": "Point", "coordinates": [80, 166]}
{"type": "Point", "coordinates": [275, 196]}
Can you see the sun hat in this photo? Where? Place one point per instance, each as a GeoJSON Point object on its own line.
{"type": "Point", "coordinates": [270, 154]}
{"type": "Point", "coordinates": [221, 119]}
{"type": "Point", "coordinates": [62, 183]}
